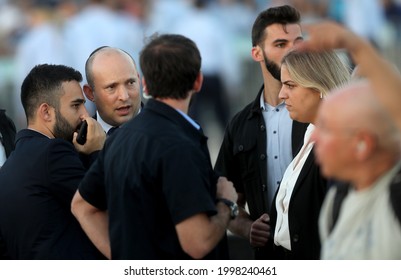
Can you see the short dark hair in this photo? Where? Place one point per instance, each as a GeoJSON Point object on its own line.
{"type": "Point", "coordinates": [281, 14]}
{"type": "Point", "coordinates": [170, 64]}
{"type": "Point", "coordinates": [43, 84]}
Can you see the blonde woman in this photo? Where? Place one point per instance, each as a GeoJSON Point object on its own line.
{"type": "Point", "coordinates": [306, 79]}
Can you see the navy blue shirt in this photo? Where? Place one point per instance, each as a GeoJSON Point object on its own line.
{"type": "Point", "coordinates": [151, 175]}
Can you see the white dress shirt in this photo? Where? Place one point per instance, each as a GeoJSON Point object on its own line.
{"type": "Point", "coordinates": [2, 154]}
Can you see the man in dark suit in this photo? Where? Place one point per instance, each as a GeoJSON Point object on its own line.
{"type": "Point", "coordinates": [7, 136]}
{"type": "Point", "coordinates": [113, 85]}
{"type": "Point", "coordinates": [41, 176]}
{"type": "Point", "coordinates": [261, 140]}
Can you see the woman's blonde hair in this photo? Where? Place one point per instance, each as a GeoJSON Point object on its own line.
{"type": "Point", "coordinates": [321, 71]}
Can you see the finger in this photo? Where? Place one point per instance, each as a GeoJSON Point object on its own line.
{"type": "Point", "coordinates": [260, 225]}
{"type": "Point", "coordinates": [265, 218]}
{"type": "Point", "coordinates": [258, 242]}
{"type": "Point", "coordinates": [74, 138]}
{"type": "Point", "coordinates": [260, 229]}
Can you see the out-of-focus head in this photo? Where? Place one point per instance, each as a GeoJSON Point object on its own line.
{"type": "Point", "coordinates": [306, 78]}
{"type": "Point", "coordinates": [353, 131]}
{"type": "Point", "coordinates": [113, 85]}
{"type": "Point", "coordinates": [170, 65]}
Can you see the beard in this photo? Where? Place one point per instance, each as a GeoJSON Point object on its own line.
{"type": "Point", "coordinates": [272, 67]}
{"type": "Point", "coordinates": [62, 128]}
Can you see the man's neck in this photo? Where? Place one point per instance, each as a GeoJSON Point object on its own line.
{"type": "Point", "coordinates": [271, 90]}
{"type": "Point", "coordinates": [178, 104]}
{"type": "Point", "coordinates": [373, 171]}
{"type": "Point", "coordinates": [41, 129]}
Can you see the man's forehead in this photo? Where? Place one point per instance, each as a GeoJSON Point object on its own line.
{"type": "Point", "coordinates": [287, 31]}
{"type": "Point", "coordinates": [71, 90]}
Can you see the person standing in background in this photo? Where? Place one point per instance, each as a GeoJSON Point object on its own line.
{"type": "Point", "coordinates": [7, 145]}
{"type": "Point", "coordinates": [7, 136]}
{"type": "Point", "coordinates": [220, 65]}
{"type": "Point", "coordinates": [41, 41]}
{"type": "Point", "coordinates": [261, 140]}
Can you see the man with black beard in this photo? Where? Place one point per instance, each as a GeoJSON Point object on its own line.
{"type": "Point", "coordinates": [261, 140]}
{"type": "Point", "coordinates": [41, 176]}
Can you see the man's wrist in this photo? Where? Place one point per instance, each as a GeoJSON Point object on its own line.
{"type": "Point", "coordinates": [231, 205]}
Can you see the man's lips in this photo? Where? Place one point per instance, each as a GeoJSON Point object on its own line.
{"type": "Point", "coordinates": [124, 110]}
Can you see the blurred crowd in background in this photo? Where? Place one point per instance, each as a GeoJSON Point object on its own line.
{"type": "Point", "coordinates": [66, 32]}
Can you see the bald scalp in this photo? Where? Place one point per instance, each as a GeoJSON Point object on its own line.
{"type": "Point", "coordinates": [359, 109]}
{"type": "Point", "coordinates": [98, 54]}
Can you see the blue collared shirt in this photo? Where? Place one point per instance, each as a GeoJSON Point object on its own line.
{"type": "Point", "coordinates": [279, 148]}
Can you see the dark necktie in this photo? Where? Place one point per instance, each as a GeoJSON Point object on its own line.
{"type": "Point", "coordinates": [112, 130]}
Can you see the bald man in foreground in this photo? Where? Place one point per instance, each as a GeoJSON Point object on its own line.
{"type": "Point", "coordinates": [357, 142]}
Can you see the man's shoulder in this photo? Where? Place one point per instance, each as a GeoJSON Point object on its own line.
{"type": "Point", "coordinates": [33, 143]}
{"type": "Point", "coordinates": [244, 114]}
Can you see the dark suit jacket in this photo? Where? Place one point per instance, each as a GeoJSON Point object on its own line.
{"type": "Point", "coordinates": [305, 203]}
{"type": "Point", "coordinates": [38, 182]}
{"type": "Point", "coordinates": [7, 132]}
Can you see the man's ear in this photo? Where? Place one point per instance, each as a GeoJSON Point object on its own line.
{"type": "Point", "coordinates": [365, 146]}
{"type": "Point", "coordinates": [198, 82]}
{"type": "Point", "coordinates": [257, 53]}
{"type": "Point", "coordinates": [45, 112]}
{"type": "Point", "coordinates": [145, 89]}
{"type": "Point", "coordinates": [89, 92]}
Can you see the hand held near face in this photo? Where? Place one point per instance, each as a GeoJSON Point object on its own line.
{"type": "Point", "coordinates": [90, 137]}
{"type": "Point", "coordinates": [83, 130]}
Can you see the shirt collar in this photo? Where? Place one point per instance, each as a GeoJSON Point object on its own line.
{"type": "Point", "coordinates": [263, 104]}
{"type": "Point", "coordinates": [189, 119]}
{"type": "Point", "coordinates": [105, 125]}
